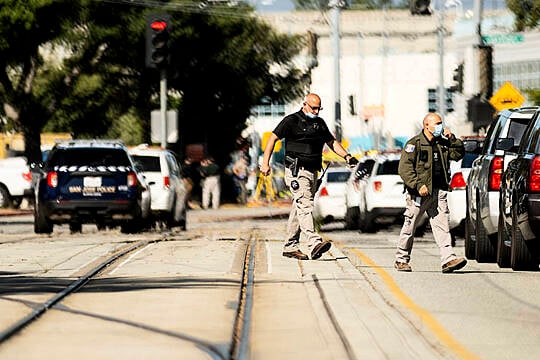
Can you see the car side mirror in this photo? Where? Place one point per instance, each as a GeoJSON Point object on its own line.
{"type": "Point", "coordinates": [505, 144]}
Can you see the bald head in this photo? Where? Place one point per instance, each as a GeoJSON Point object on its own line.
{"type": "Point", "coordinates": [430, 120]}
{"type": "Point", "coordinates": [312, 105]}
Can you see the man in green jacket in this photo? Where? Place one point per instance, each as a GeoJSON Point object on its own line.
{"type": "Point", "coordinates": [424, 167]}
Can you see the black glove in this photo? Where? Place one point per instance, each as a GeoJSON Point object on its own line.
{"type": "Point", "coordinates": [352, 161]}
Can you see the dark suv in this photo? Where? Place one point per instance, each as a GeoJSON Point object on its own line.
{"type": "Point", "coordinates": [519, 215]}
{"type": "Point", "coordinates": [90, 181]}
{"type": "Point", "coordinates": [483, 184]}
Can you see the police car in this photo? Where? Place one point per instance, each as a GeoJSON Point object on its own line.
{"type": "Point", "coordinates": [91, 181]}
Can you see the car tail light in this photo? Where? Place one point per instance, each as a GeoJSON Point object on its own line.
{"type": "Point", "coordinates": [458, 181]}
{"type": "Point", "coordinates": [324, 192]}
{"type": "Point", "coordinates": [377, 186]}
{"type": "Point", "coordinates": [52, 179]}
{"type": "Point", "coordinates": [166, 182]}
{"type": "Point", "coordinates": [27, 176]}
{"type": "Point", "coordinates": [131, 179]}
{"type": "Point", "coordinates": [495, 173]}
{"type": "Point", "coordinates": [534, 175]}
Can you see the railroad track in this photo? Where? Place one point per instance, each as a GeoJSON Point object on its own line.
{"type": "Point", "coordinates": [239, 343]}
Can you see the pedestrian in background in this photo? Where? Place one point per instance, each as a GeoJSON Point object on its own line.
{"type": "Point", "coordinates": [424, 167]}
{"type": "Point", "coordinates": [188, 176]}
{"type": "Point", "coordinates": [211, 186]}
{"type": "Point", "coordinates": [305, 135]}
{"type": "Point", "coordinates": [240, 176]}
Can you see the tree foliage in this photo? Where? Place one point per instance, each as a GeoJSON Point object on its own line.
{"type": "Point", "coordinates": [527, 13]}
{"type": "Point", "coordinates": [533, 95]}
{"type": "Point", "coordinates": [352, 4]}
{"type": "Point", "coordinates": [79, 66]}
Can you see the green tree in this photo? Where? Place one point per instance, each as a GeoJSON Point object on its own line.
{"type": "Point", "coordinates": [81, 69]}
{"type": "Point", "coordinates": [533, 96]}
{"type": "Point", "coordinates": [527, 13]}
{"type": "Point", "coordinates": [26, 28]}
{"type": "Point", "coordinates": [354, 4]}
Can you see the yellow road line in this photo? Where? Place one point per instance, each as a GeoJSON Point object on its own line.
{"type": "Point", "coordinates": [438, 330]}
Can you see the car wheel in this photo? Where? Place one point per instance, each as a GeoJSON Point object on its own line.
{"type": "Point", "coordinates": [470, 246]}
{"type": "Point", "coordinates": [503, 251]}
{"type": "Point", "coordinates": [521, 257]}
{"type": "Point", "coordinates": [5, 199]}
{"type": "Point", "coordinates": [485, 251]}
{"type": "Point", "coordinates": [367, 224]}
{"type": "Point", "coordinates": [101, 225]}
{"type": "Point", "coordinates": [351, 218]}
{"type": "Point", "coordinates": [42, 225]}
{"type": "Point", "coordinates": [75, 227]}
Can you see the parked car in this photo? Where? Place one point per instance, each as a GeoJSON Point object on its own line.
{"type": "Point", "coordinates": [352, 190]}
{"type": "Point", "coordinates": [15, 181]}
{"type": "Point", "coordinates": [163, 176]}
{"type": "Point", "coordinates": [382, 198]}
{"type": "Point", "coordinates": [483, 183]}
{"type": "Point", "coordinates": [459, 172]}
{"type": "Point", "coordinates": [90, 181]}
{"type": "Point", "coordinates": [519, 205]}
{"type": "Point", "coordinates": [329, 200]}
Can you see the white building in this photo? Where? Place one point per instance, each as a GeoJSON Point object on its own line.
{"type": "Point", "coordinates": [389, 60]}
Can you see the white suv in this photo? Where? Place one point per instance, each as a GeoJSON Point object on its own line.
{"type": "Point", "coordinates": [163, 175]}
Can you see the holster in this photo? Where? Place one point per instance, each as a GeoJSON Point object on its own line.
{"type": "Point", "coordinates": [292, 165]}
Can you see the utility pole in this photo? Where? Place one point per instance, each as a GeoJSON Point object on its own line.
{"type": "Point", "coordinates": [336, 6]}
{"type": "Point", "coordinates": [440, 34]}
{"type": "Point", "coordinates": [163, 106]}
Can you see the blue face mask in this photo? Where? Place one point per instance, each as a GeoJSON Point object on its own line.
{"type": "Point", "coordinates": [311, 115]}
{"type": "Point", "coordinates": [438, 130]}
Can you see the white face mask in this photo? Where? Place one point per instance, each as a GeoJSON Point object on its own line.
{"type": "Point", "coordinates": [311, 115]}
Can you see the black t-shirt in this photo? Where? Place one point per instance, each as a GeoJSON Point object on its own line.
{"type": "Point", "coordinates": [304, 138]}
{"type": "Point", "coordinates": [438, 171]}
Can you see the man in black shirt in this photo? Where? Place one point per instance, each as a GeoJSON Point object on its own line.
{"type": "Point", "coordinates": [305, 134]}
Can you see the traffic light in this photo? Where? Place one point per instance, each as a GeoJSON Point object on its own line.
{"type": "Point", "coordinates": [458, 78]}
{"type": "Point", "coordinates": [419, 7]}
{"type": "Point", "coordinates": [158, 27]}
{"type": "Point", "coordinates": [432, 100]}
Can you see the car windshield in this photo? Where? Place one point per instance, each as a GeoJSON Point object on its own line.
{"type": "Point", "coordinates": [338, 176]}
{"type": "Point", "coordinates": [89, 157]}
{"type": "Point", "coordinates": [148, 163]}
{"type": "Point", "coordinates": [389, 167]}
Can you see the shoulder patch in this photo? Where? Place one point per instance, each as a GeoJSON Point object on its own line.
{"type": "Point", "coordinates": [409, 148]}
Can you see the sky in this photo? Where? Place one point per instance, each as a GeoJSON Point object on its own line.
{"type": "Point", "coordinates": [288, 5]}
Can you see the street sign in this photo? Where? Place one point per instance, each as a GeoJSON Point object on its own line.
{"type": "Point", "coordinates": [503, 38]}
{"type": "Point", "coordinates": [507, 97]}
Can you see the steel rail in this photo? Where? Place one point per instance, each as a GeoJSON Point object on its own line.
{"type": "Point", "coordinates": [242, 326]}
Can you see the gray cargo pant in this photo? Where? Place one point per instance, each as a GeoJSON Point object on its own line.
{"type": "Point", "coordinates": [301, 215]}
{"type": "Point", "coordinates": [436, 207]}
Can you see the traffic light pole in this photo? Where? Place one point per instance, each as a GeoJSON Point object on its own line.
{"type": "Point", "coordinates": [440, 32]}
{"type": "Point", "coordinates": [336, 6]}
{"type": "Point", "coordinates": [163, 106]}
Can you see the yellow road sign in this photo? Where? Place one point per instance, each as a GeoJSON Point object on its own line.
{"type": "Point", "coordinates": [507, 97]}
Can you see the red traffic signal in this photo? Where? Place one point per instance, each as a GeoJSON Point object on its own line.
{"type": "Point", "coordinates": [158, 25]}
{"type": "Point", "coordinates": [157, 40]}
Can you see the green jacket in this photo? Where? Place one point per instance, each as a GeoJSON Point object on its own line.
{"type": "Point", "coordinates": [415, 164]}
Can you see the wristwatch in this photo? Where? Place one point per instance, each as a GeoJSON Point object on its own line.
{"type": "Point", "coordinates": [345, 157]}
